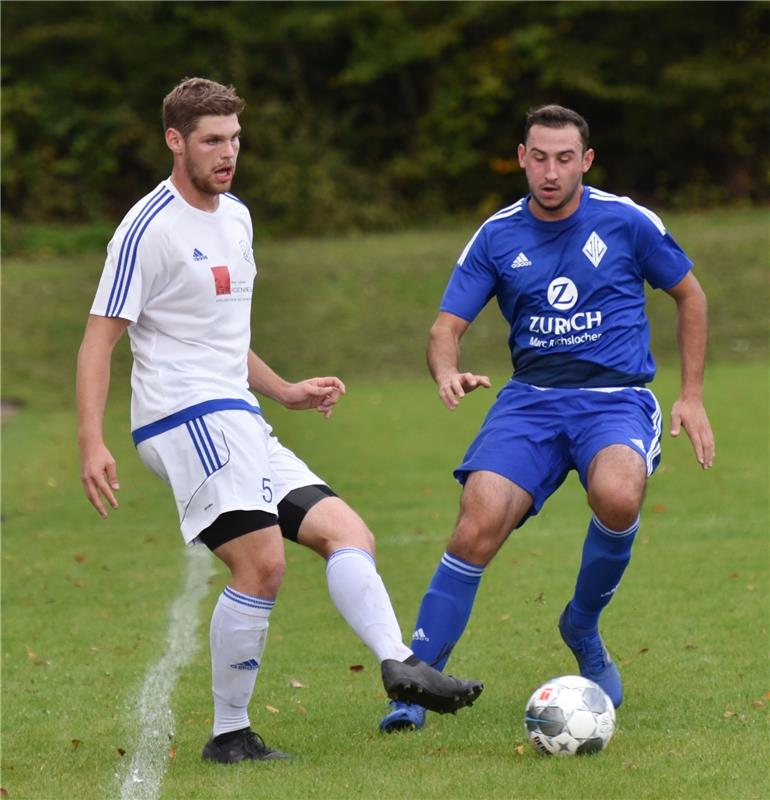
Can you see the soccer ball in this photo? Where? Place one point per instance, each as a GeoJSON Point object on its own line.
{"type": "Point", "coordinates": [569, 716]}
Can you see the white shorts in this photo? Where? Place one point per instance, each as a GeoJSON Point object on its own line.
{"type": "Point", "coordinates": [224, 461]}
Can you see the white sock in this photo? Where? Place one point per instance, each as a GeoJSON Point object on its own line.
{"type": "Point", "coordinates": [237, 635]}
{"type": "Point", "coordinates": [359, 594]}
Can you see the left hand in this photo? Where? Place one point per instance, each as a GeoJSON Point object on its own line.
{"type": "Point", "coordinates": [321, 394]}
{"type": "Point", "coordinates": [692, 414]}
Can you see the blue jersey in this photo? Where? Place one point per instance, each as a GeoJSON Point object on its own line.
{"type": "Point", "coordinates": [572, 290]}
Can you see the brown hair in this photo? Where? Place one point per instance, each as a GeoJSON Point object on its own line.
{"type": "Point", "coordinates": [553, 116]}
{"type": "Point", "coordinates": [194, 98]}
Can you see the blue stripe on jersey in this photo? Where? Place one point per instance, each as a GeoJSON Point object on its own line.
{"type": "Point", "coordinates": [129, 247]}
{"type": "Point", "coordinates": [187, 414]}
{"type": "Point", "coordinates": [233, 197]}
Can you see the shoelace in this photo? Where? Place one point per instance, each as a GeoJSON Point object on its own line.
{"type": "Point", "coordinates": [256, 744]}
{"type": "Point", "coordinates": [592, 650]}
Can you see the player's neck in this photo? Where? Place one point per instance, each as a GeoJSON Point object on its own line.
{"type": "Point", "coordinates": [193, 196]}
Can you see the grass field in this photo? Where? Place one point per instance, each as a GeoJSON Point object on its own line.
{"type": "Point", "coordinates": [86, 604]}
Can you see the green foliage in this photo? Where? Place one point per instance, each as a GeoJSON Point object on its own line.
{"type": "Point", "coordinates": [369, 115]}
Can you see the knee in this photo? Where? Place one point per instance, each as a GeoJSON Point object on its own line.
{"type": "Point", "coordinates": [473, 542]}
{"type": "Point", "coordinates": [262, 576]}
{"type": "Point", "coordinates": [359, 537]}
{"type": "Point", "coordinates": [616, 504]}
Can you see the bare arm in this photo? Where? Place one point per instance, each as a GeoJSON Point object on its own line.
{"type": "Point", "coordinates": [692, 327]}
{"type": "Point", "coordinates": [98, 471]}
{"type": "Point", "coordinates": [444, 360]}
{"type": "Point", "coordinates": [319, 393]}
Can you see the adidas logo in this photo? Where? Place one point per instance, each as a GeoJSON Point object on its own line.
{"type": "Point", "coordinates": [520, 261]}
{"type": "Point", "coordinates": [198, 256]}
{"type": "Point", "coordinates": [252, 663]}
{"type": "Point", "coordinates": [419, 636]}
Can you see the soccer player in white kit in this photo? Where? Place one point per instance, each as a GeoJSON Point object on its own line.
{"type": "Point", "coordinates": [178, 277]}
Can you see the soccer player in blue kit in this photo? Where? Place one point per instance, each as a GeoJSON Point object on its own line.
{"type": "Point", "coordinates": [567, 265]}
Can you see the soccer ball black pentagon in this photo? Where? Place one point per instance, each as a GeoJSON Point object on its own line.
{"type": "Point", "coordinates": [569, 716]}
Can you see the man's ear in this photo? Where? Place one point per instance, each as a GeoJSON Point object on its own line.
{"type": "Point", "coordinates": [175, 141]}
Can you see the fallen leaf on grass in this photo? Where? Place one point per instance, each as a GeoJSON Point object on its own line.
{"type": "Point", "coordinates": [540, 597]}
{"type": "Point", "coordinates": [356, 667]}
{"type": "Point", "coordinates": [80, 558]}
{"type": "Point", "coordinates": [121, 752]}
{"type": "Point", "coordinates": [520, 749]}
{"type": "Point", "coordinates": [766, 696]}
{"type": "Point", "coordinates": [272, 709]}
{"type": "Point", "coordinates": [35, 658]}
{"type": "Point", "coordinates": [757, 703]}
{"type": "Point", "coordinates": [172, 753]}
{"type": "Point", "coordinates": [504, 617]}
{"type": "Point", "coordinates": [295, 684]}
{"type": "Point", "coordinates": [75, 743]}
{"type": "Point", "coordinates": [729, 714]}
{"type": "Point", "coordinates": [660, 508]}
{"type": "Point", "coordinates": [3, 792]}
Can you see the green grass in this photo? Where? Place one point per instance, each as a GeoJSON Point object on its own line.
{"type": "Point", "coordinates": [361, 306]}
{"type": "Point", "coordinates": [85, 603]}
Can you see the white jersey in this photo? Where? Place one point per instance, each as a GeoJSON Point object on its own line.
{"type": "Point", "coordinates": [183, 278]}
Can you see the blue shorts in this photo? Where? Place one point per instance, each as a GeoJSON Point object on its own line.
{"type": "Point", "coordinates": [534, 437]}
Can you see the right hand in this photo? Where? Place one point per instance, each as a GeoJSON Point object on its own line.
{"type": "Point", "coordinates": [99, 475]}
{"type": "Point", "coordinates": [454, 386]}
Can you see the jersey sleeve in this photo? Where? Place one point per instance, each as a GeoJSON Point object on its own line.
{"type": "Point", "coordinates": [662, 260]}
{"type": "Point", "coordinates": [127, 275]}
{"type": "Point", "coordinates": [472, 282]}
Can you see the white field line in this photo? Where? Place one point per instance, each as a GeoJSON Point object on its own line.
{"type": "Point", "coordinates": [155, 719]}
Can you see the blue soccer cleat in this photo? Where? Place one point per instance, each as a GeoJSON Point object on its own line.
{"type": "Point", "coordinates": [592, 657]}
{"type": "Point", "coordinates": [403, 717]}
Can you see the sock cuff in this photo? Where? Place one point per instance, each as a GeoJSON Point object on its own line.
{"type": "Point", "coordinates": [460, 568]}
{"type": "Point", "coordinates": [632, 528]}
{"type": "Point", "coordinates": [246, 603]}
{"type": "Point", "coordinates": [349, 552]}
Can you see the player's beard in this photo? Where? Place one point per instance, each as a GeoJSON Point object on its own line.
{"type": "Point", "coordinates": [205, 182]}
{"type": "Point", "coordinates": [554, 206]}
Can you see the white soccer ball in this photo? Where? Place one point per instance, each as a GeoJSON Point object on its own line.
{"type": "Point", "coordinates": [569, 716]}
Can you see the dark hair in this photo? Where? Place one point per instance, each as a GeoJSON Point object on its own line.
{"type": "Point", "coordinates": [194, 98]}
{"type": "Point", "coordinates": [553, 116]}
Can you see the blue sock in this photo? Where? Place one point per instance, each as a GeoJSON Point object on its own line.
{"type": "Point", "coordinates": [445, 609]}
{"type": "Point", "coordinates": [606, 554]}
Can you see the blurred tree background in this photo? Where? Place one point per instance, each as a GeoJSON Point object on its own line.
{"type": "Point", "coordinates": [371, 115]}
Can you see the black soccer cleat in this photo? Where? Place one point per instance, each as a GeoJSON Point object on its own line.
{"type": "Point", "coordinates": [414, 681]}
{"type": "Point", "coordinates": [242, 745]}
